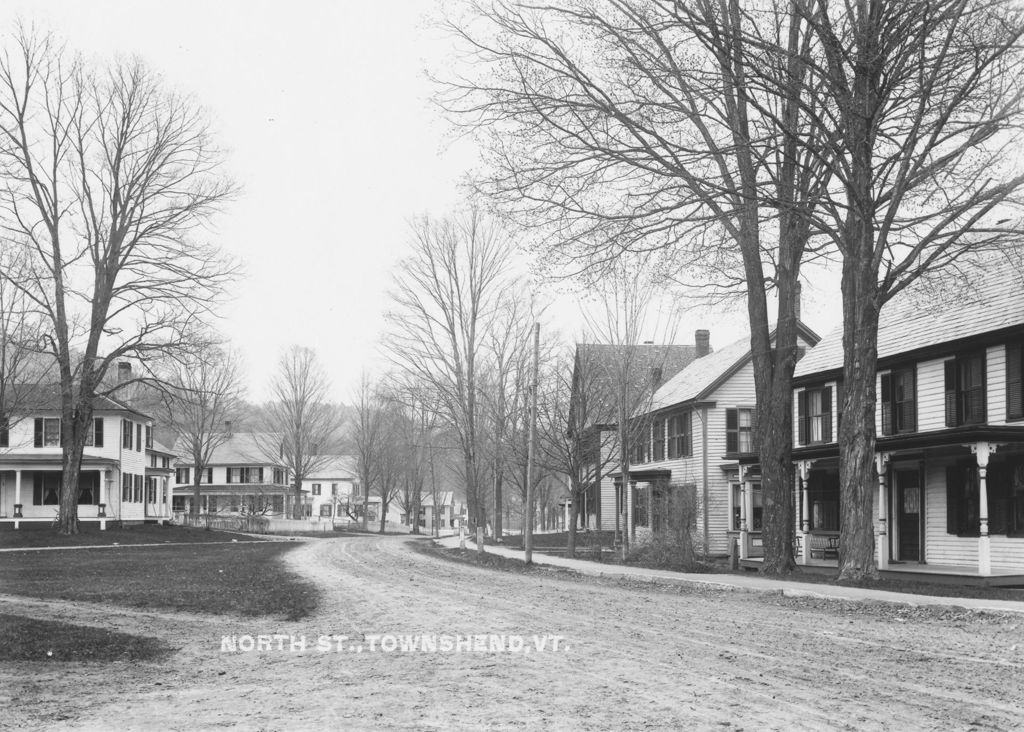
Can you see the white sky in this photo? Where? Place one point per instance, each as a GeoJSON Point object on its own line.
{"type": "Point", "coordinates": [322, 106]}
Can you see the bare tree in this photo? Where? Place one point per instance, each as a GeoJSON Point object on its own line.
{"type": "Point", "coordinates": [619, 125]}
{"type": "Point", "coordinates": [107, 177]}
{"type": "Point", "coordinates": [631, 370]}
{"type": "Point", "coordinates": [572, 444]}
{"type": "Point", "coordinates": [299, 419]}
{"type": "Point", "coordinates": [368, 436]}
{"type": "Point", "coordinates": [446, 296]}
{"type": "Point", "coordinates": [202, 399]}
{"type": "Point", "coordinates": [929, 99]}
{"type": "Point", "coordinates": [22, 366]}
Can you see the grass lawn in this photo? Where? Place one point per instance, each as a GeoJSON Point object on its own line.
{"type": "Point", "coordinates": [41, 535]}
{"type": "Point", "coordinates": [31, 639]}
{"type": "Point", "coordinates": [228, 578]}
{"type": "Point", "coordinates": [558, 540]}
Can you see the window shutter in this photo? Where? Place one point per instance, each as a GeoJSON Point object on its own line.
{"type": "Point", "coordinates": [755, 444]}
{"type": "Point", "coordinates": [954, 490]}
{"type": "Point", "coordinates": [97, 432]}
{"type": "Point", "coordinates": [826, 414]}
{"type": "Point", "coordinates": [886, 397]}
{"type": "Point", "coordinates": [38, 434]}
{"type": "Point", "coordinates": [259, 475]}
{"type": "Point", "coordinates": [688, 438]}
{"type": "Point", "coordinates": [1014, 377]}
{"type": "Point", "coordinates": [950, 380]}
{"type": "Point", "coordinates": [910, 402]}
{"type": "Point", "coordinates": [229, 475]}
{"type": "Point", "coordinates": [801, 417]}
{"type": "Point", "coordinates": [731, 431]}
{"type": "Point", "coordinates": [209, 475]}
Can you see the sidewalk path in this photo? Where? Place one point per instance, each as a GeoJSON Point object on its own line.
{"type": "Point", "coordinates": [750, 583]}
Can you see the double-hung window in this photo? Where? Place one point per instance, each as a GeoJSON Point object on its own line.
{"type": "Point", "coordinates": [814, 415]}
{"type": "Point", "coordinates": [899, 401]}
{"type": "Point", "coordinates": [659, 439]}
{"type": "Point", "coordinates": [47, 432]}
{"type": "Point", "coordinates": [739, 430]}
{"type": "Point", "coordinates": [965, 389]}
{"type": "Point", "coordinates": [679, 439]}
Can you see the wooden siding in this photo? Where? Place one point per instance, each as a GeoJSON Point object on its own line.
{"type": "Point", "coordinates": [944, 548]}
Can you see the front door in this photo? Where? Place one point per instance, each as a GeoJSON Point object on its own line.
{"type": "Point", "coordinates": [908, 515]}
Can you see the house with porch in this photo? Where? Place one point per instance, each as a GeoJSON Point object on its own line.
{"type": "Point", "coordinates": [115, 483]}
{"type": "Point", "coordinates": [950, 425]}
{"type": "Point", "coordinates": [242, 478]}
{"type": "Point", "coordinates": [596, 369]}
{"type": "Point", "coordinates": [699, 424]}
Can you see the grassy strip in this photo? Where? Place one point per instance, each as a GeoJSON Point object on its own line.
{"type": "Point", "coordinates": [240, 579]}
{"type": "Point", "coordinates": [41, 535]}
{"type": "Point", "coordinates": [31, 639]}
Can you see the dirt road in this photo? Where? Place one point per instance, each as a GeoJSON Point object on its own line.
{"type": "Point", "coordinates": [627, 658]}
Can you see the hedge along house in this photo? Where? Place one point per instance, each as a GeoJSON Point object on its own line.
{"type": "Point", "coordinates": [113, 483]}
{"type": "Point", "coordinates": [700, 425]}
{"type": "Point", "coordinates": [592, 407]}
{"type": "Point", "coordinates": [240, 479]}
{"type": "Point", "coordinates": [950, 422]}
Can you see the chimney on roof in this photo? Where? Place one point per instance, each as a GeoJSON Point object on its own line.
{"type": "Point", "coordinates": [796, 300]}
{"type": "Point", "coordinates": [703, 340]}
{"type": "Point", "coordinates": [227, 426]}
{"type": "Point", "coordinates": [124, 371]}
{"type": "Point", "coordinates": [648, 343]}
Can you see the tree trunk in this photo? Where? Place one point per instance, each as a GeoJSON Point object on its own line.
{"type": "Point", "coordinates": [297, 508]}
{"type": "Point", "coordinates": [383, 515]}
{"type": "Point", "coordinates": [195, 493]}
{"type": "Point", "coordinates": [857, 475]}
{"type": "Point", "coordinates": [416, 510]}
{"type": "Point", "coordinates": [75, 418]}
{"type": "Point", "coordinates": [574, 512]}
{"type": "Point", "coordinates": [498, 529]}
{"type": "Point", "coordinates": [71, 463]}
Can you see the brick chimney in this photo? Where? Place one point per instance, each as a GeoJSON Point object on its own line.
{"type": "Point", "coordinates": [227, 426]}
{"type": "Point", "coordinates": [703, 340]}
{"type": "Point", "coordinates": [124, 371]}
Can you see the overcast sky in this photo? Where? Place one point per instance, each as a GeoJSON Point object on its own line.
{"type": "Point", "coordinates": [323, 109]}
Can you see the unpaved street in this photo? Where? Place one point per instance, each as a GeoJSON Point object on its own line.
{"type": "Point", "coordinates": [637, 658]}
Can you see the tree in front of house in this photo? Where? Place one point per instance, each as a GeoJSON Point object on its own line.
{"type": "Point", "coordinates": [108, 178]}
{"type": "Point", "coordinates": [628, 126]}
{"type": "Point", "coordinates": [299, 421]}
{"type": "Point", "coordinates": [929, 97]}
{"type": "Point", "coordinates": [202, 398]}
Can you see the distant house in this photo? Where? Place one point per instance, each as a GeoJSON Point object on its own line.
{"type": "Point", "coordinates": [443, 512]}
{"type": "Point", "coordinates": [950, 423]}
{"type": "Point", "coordinates": [240, 479]}
{"type": "Point", "coordinates": [700, 423]}
{"type": "Point", "coordinates": [331, 488]}
{"type": "Point", "coordinates": [593, 392]}
{"type": "Point", "coordinates": [115, 483]}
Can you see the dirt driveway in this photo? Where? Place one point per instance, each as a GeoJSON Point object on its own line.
{"type": "Point", "coordinates": [627, 658]}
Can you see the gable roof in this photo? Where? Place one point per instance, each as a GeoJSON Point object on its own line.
{"type": "Point", "coordinates": [699, 380]}
{"type": "Point", "coordinates": [339, 467]}
{"type": "Point", "coordinates": [990, 297]}
{"type": "Point", "coordinates": [671, 359]}
{"type": "Point", "coordinates": [46, 398]}
{"type": "Point", "coordinates": [240, 448]}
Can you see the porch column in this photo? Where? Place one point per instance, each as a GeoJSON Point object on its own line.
{"type": "Point", "coordinates": [882, 540]}
{"type": "Point", "coordinates": [17, 497]}
{"type": "Point", "coordinates": [102, 508]}
{"type": "Point", "coordinates": [744, 492]}
{"type": "Point", "coordinates": [168, 498]}
{"type": "Point", "coordinates": [804, 472]}
{"type": "Point", "coordinates": [982, 450]}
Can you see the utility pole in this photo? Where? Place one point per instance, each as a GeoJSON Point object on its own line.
{"type": "Point", "coordinates": [531, 449]}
